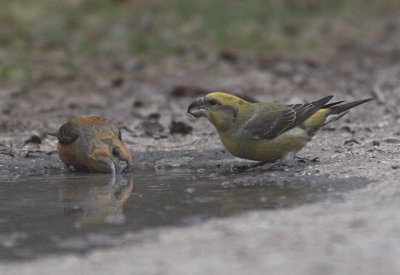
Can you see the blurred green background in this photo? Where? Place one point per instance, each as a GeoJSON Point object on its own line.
{"type": "Point", "coordinates": [35, 32]}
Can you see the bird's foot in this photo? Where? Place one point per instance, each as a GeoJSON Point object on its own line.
{"type": "Point", "coordinates": [300, 159]}
{"type": "Point", "coordinates": [265, 164]}
{"type": "Point", "coordinates": [68, 168]}
{"type": "Point", "coordinates": [241, 168]}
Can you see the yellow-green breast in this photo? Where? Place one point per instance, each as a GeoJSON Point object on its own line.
{"type": "Point", "coordinates": [265, 150]}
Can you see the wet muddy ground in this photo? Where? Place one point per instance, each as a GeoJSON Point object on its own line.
{"type": "Point", "coordinates": [341, 210]}
{"type": "Point", "coordinates": [76, 213]}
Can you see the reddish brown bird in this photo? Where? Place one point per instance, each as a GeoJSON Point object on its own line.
{"type": "Point", "coordinates": [93, 144]}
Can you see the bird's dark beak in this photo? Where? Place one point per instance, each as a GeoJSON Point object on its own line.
{"type": "Point", "coordinates": [197, 108]}
{"type": "Point", "coordinates": [120, 166]}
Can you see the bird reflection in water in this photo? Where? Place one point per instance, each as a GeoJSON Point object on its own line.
{"type": "Point", "coordinates": [96, 199]}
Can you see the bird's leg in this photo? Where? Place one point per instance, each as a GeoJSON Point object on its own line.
{"type": "Point", "coordinates": [268, 165]}
{"type": "Point", "coordinates": [300, 159]}
{"type": "Point", "coordinates": [242, 168]}
{"type": "Point", "coordinates": [67, 167]}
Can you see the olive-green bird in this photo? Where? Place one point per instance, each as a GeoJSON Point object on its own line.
{"type": "Point", "coordinates": [266, 132]}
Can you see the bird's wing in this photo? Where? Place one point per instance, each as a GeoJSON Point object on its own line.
{"type": "Point", "coordinates": [112, 127]}
{"type": "Point", "coordinates": [117, 131]}
{"type": "Point", "coordinates": [67, 133]}
{"type": "Point", "coordinates": [271, 124]}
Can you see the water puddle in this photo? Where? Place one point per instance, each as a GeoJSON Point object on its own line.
{"type": "Point", "coordinates": [75, 213]}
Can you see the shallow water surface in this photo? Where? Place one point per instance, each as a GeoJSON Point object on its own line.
{"type": "Point", "coordinates": [77, 212]}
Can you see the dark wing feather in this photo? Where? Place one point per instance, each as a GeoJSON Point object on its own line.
{"type": "Point", "coordinates": [272, 124]}
{"type": "Point", "coordinates": [67, 133]}
{"type": "Point", "coordinates": [332, 104]}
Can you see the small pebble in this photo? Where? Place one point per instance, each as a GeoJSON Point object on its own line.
{"type": "Point", "coordinates": [396, 166]}
{"type": "Point", "coordinates": [376, 143]}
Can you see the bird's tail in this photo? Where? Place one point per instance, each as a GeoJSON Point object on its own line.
{"type": "Point", "coordinates": [337, 110]}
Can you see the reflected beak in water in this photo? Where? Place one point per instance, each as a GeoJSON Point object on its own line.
{"type": "Point", "coordinates": [120, 166]}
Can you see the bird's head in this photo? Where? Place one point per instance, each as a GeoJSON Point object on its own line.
{"type": "Point", "coordinates": [109, 153]}
{"type": "Point", "coordinates": [221, 109]}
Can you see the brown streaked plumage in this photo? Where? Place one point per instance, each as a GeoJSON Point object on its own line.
{"type": "Point", "coordinates": [92, 143]}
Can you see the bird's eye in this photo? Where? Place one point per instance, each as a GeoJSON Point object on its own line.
{"type": "Point", "coordinates": [116, 153]}
{"type": "Point", "coordinates": [213, 102]}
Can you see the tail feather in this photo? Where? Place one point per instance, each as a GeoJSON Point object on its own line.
{"type": "Point", "coordinates": [347, 106]}
{"type": "Point", "coordinates": [332, 104]}
{"type": "Point", "coordinates": [337, 111]}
